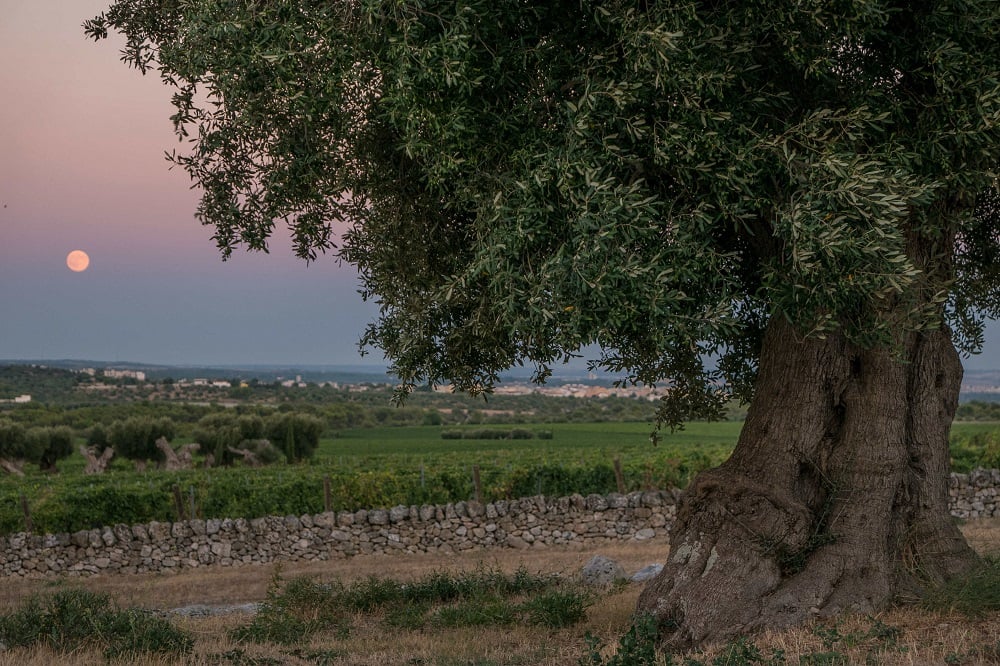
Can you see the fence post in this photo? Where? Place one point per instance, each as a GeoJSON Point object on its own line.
{"type": "Point", "coordinates": [191, 498]}
{"type": "Point", "coordinates": [28, 526]}
{"type": "Point", "coordinates": [476, 483]}
{"type": "Point", "coordinates": [619, 477]}
{"type": "Point", "coordinates": [327, 499]}
{"type": "Point", "coordinates": [178, 502]}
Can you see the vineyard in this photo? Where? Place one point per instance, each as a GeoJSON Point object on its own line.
{"type": "Point", "coordinates": [384, 467]}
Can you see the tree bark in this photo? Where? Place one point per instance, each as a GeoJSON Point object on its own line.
{"type": "Point", "coordinates": [96, 464]}
{"type": "Point", "coordinates": [834, 499]}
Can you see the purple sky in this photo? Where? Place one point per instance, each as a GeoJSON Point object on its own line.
{"type": "Point", "coordinates": [82, 139]}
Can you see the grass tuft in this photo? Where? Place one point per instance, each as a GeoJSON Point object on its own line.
{"type": "Point", "coordinates": [67, 620]}
{"type": "Point", "coordinates": [975, 594]}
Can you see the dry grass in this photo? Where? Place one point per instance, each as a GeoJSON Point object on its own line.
{"type": "Point", "coordinates": [920, 638]}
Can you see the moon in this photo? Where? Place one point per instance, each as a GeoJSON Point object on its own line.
{"type": "Point", "coordinates": [77, 260]}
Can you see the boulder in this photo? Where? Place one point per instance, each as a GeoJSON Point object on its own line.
{"type": "Point", "coordinates": [602, 571]}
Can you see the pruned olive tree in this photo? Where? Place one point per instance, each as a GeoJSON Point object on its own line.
{"type": "Point", "coordinates": [789, 203]}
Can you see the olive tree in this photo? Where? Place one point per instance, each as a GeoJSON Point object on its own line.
{"type": "Point", "coordinates": [793, 204]}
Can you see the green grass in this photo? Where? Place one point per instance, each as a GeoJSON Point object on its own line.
{"type": "Point", "coordinates": [300, 607]}
{"type": "Point", "coordinates": [425, 440]}
{"type": "Point", "coordinates": [69, 619]}
{"type": "Point", "coordinates": [383, 467]}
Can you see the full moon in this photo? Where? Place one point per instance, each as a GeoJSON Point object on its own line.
{"type": "Point", "coordinates": [77, 260]}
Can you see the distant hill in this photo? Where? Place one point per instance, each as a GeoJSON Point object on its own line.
{"type": "Point", "coordinates": [981, 385]}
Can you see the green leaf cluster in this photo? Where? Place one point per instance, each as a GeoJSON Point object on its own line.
{"type": "Point", "coordinates": [520, 180]}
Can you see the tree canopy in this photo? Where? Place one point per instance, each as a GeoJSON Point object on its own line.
{"type": "Point", "coordinates": [522, 179]}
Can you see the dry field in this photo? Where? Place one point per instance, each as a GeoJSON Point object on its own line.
{"type": "Point", "coordinates": [923, 637]}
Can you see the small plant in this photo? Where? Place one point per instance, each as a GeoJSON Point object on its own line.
{"type": "Point", "coordinates": [483, 612]}
{"type": "Point", "coordinates": [293, 612]}
{"type": "Point", "coordinates": [557, 608]}
{"type": "Point", "coordinates": [636, 648]}
{"type": "Point", "coordinates": [69, 619]}
{"type": "Point", "coordinates": [974, 594]}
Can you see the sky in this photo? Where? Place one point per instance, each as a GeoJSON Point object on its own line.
{"type": "Point", "coordinates": [82, 142]}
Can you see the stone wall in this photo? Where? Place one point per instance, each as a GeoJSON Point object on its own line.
{"type": "Point", "coordinates": [974, 495]}
{"type": "Point", "coordinates": [534, 522]}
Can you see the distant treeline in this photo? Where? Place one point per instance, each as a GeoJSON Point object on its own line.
{"type": "Point", "coordinates": [979, 410]}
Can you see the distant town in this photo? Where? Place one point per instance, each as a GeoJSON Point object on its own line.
{"type": "Point", "coordinates": [176, 382]}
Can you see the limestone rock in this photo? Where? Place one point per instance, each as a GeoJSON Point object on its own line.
{"type": "Point", "coordinates": [602, 571]}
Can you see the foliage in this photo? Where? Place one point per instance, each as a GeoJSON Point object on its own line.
{"type": "Point", "coordinates": [297, 435]}
{"type": "Point", "coordinates": [47, 445]}
{"type": "Point", "coordinates": [482, 597]}
{"type": "Point", "coordinates": [637, 647]}
{"type": "Point", "coordinates": [135, 437]}
{"type": "Point", "coordinates": [657, 179]}
{"type": "Point", "coordinates": [69, 619]}
{"type": "Point", "coordinates": [219, 431]}
{"type": "Point", "coordinates": [12, 440]}
{"type": "Point", "coordinates": [97, 437]}
{"type": "Point", "coordinates": [978, 410]}
{"type": "Point", "coordinates": [384, 468]}
{"type": "Point", "coordinates": [292, 613]}
{"type": "Point", "coordinates": [490, 433]}
{"type": "Point", "coordinates": [975, 446]}
{"type": "Point", "coordinates": [41, 445]}
{"type": "Point", "coordinates": [976, 593]}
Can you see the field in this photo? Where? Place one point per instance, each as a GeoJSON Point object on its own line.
{"type": "Point", "coordinates": [388, 466]}
{"type": "Point", "coordinates": [908, 635]}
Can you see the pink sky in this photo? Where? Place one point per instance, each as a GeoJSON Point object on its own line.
{"type": "Point", "coordinates": [82, 139]}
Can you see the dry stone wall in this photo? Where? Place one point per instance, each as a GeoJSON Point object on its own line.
{"type": "Point", "coordinates": [975, 495]}
{"type": "Point", "coordinates": [534, 522]}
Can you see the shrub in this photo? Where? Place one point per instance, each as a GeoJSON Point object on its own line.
{"type": "Point", "coordinates": [293, 613]}
{"type": "Point", "coordinates": [97, 436]}
{"type": "Point", "coordinates": [69, 619]}
{"type": "Point", "coordinates": [12, 440]}
{"type": "Point", "coordinates": [975, 593]}
{"type": "Point", "coordinates": [557, 608]}
{"type": "Point", "coordinates": [60, 446]}
{"type": "Point", "coordinates": [297, 435]}
{"type": "Point", "coordinates": [135, 438]}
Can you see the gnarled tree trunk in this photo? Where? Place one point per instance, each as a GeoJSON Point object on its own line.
{"type": "Point", "coordinates": [835, 497]}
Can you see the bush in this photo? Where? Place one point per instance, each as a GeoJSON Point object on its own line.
{"type": "Point", "coordinates": [135, 438]}
{"type": "Point", "coordinates": [12, 440]}
{"type": "Point", "coordinates": [97, 436]}
{"type": "Point", "coordinates": [70, 619]}
{"type": "Point", "coordinates": [293, 613]}
{"type": "Point", "coordinates": [296, 435]}
{"type": "Point", "coordinates": [60, 446]}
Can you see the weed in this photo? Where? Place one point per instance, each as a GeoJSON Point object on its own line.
{"type": "Point", "coordinates": [636, 648]}
{"type": "Point", "coordinates": [410, 617]}
{"type": "Point", "coordinates": [294, 612]}
{"type": "Point", "coordinates": [69, 619]}
{"type": "Point", "coordinates": [477, 613]}
{"type": "Point", "coordinates": [557, 608]}
{"type": "Point", "coordinates": [974, 594]}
